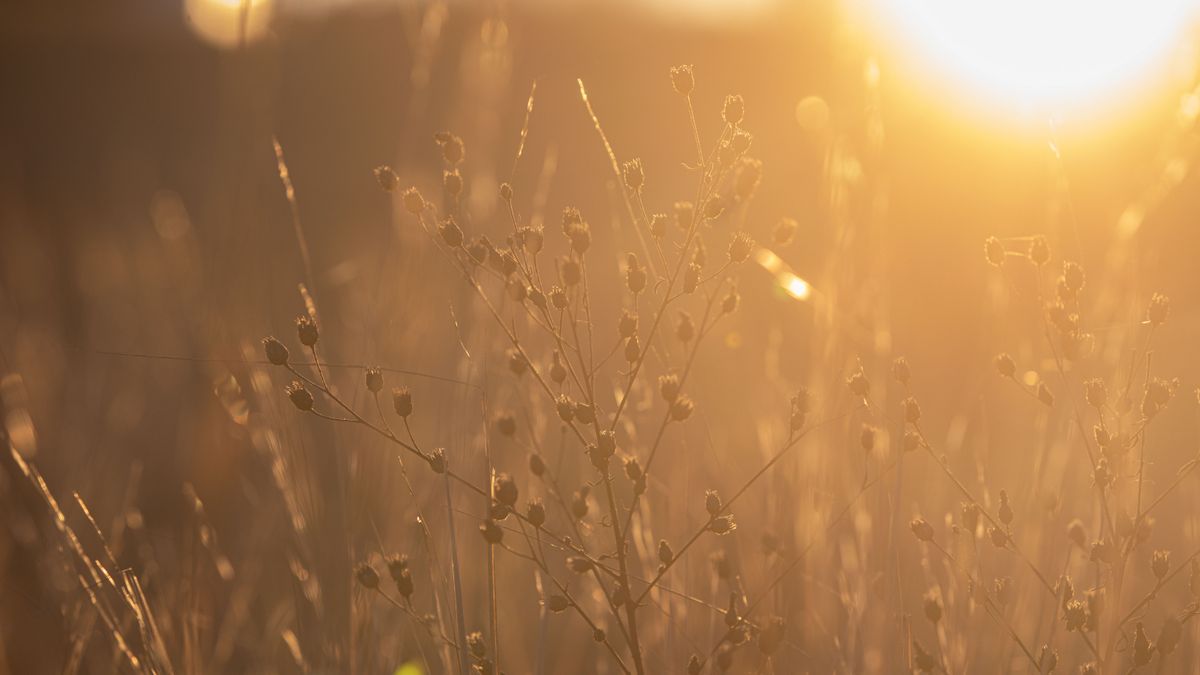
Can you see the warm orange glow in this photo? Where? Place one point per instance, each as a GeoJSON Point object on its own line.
{"type": "Point", "coordinates": [1039, 53]}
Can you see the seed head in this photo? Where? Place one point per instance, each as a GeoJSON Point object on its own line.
{"type": "Point", "coordinates": [477, 644]}
{"type": "Point", "coordinates": [998, 536]}
{"type": "Point", "coordinates": [558, 297]}
{"type": "Point", "coordinates": [1048, 657]}
{"type": "Point", "coordinates": [386, 177]}
{"type": "Point", "coordinates": [1005, 366]}
{"type": "Point", "coordinates": [537, 465]}
{"type": "Point", "coordinates": [366, 576]}
{"type": "Point", "coordinates": [900, 370]}
{"type": "Point", "coordinates": [516, 361]}
{"type": "Point", "coordinates": [277, 354]}
{"type": "Point", "coordinates": [665, 553]}
{"type": "Point", "coordinates": [923, 660]}
{"type": "Point", "coordinates": [740, 247]}
{"type": "Point", "coordinates": [922, 529]}
{"type": "Point", "coordinates": [1039, 251]}
{"type": "Point", "coordinates": [1005, 512]}
{"type": "Point", "coordinates": [584, 413]}
{"type": "Point", "coordinates": [714, 207]}
{"type": "Point", "coordinates": [734, 110]}
{"type": "Point", "coordinates": [712, 502]}
{"type": "Point", "coordinates": [691, 277]}
{"type": "Point", "coordinates": [505, 490]}
{"type": "Point", "coordinates": [412, 200]}
{"type": "Point", "coordinates": [1073, 277]}
{"type": "Point", "coordinates": [658, 225]}
{"type": "Point", "coordinates": [301, 397]}
{"type": "Point", "coordinates": [452, 182]}
{"type": "Point", "coordinates": [682, 79]}
{"type": "Point", "coordinates": [506, 192]}
{"type": "Point", "coordinates": [912, 410]}
{"type": "Point", "coordinates": [450, 232]}
{"type": "Point", "coordinates": [306, 330]}
{"type": "Point", "coordinates": [1096, 392]}
{"type": "Point", "coordinates": [995, 251]}
{"type": "Point", "coordinates": [1160, 307]}
{"type": "Point", "coordinates": [1045, 395]}
{"type": "Point", "coordinates": [722, 525]}
{"type": "Point", "coordinates": [402, 401]}
{"type": "Point", "coordinates": [579, 564]}
{"type": "Point", "coordinates": [571, 273]}
{"type": "Point", "coordinates": [557, 603]}
{"type": "Point", "coordinates": [453, 149]}
{"type": "Point", "coordinates": [1142, 649]}
{"type": "Point", "coordinates": [859, 385]}
{"type": "Point", "coordinates": [668, 387]}
{"type": "Point", "coordinates": [695, 665]}
{"type": "Point", "coordinates": [535, 513]}
{"type": "Point", "coordinates": [633, 174]}
{"type": "Point", "coordinates": [682, 407]}
{"type": "Point", "coordinates": [437, 460]}
{"type": "Point", "coordinates": [685, 330]}
{"type": "Point", "coordinates": [1160, 564]}
{"type": "Point", "coordinates": [579, 505]}
{"type": "Point", "coordinates": [912, 440]}
{"type": "Point", "coordinates": [1077, 534]}
{"type": "Point", "coordinates": [729, 303]}
{"type": "Point", "coordinates": [491, 532]}
{"type": "Point", "coordinates": [565, 408]}
{"type": "Point", "coordinates": [374, 379]}
{"type": "Point", "coordinates": [635, 275]}
{"type": "Point", "coordinates": [746, 177]}
{"type": "Point", "coordinates": [632, 349]}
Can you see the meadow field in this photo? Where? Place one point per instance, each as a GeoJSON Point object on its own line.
{"type": "Point", "coordinates": [652, 337]}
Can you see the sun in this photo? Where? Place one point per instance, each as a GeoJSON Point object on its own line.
{"type": "Point", "coordinates": [1039, 53]}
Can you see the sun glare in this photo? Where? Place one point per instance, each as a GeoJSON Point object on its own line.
{"type": "Point", "coordinates": [1040, 53]}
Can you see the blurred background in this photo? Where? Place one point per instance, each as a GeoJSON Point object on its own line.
{"type": "Point", "coordinates": [147, 244]}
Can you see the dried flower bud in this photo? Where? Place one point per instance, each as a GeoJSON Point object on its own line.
{"type": "Point", "coordinates": [633, 349]}
{"type": "Point", "coordinates": [998, 536]}
{"type": "Point", "coordinates": [1005, 511]}
{"type": "Point", "coordinates": [452, 182]}
{"type": "Point", "coordinates": [477, 644]}
{"type": "Point", "coordinates": [366, 576]}
{"type": "Point", "coordinates": [1160, 564]}
{"type": "Point", "coordinates": [658, 225]}
{"type": "Point", "coordinates": [402, 401]}
{"type": "Point", "coordinates": [969, 514]}
{"type": "Point", "coordinates": [668, 387]}
{"type": "Point", "coordinates": [1142, 649]}
{"type": "Point", "coordinates": [900, 370]}
{"type": "Point", "coordinates": [729, 303]}
{"type": "Point", "coordinates": [695, 665]}
{"type": "Point", "coordinates": [1160, 307]}
{"type": "Point", "coordinates": [714, 207]}
{"type": "Point", "coordinates": [450, 232]}
{"type": "Point", "coordinates": [516, 361]}
{"type": "Point", "coordinates": [491, 532]}
{"type": "Point", "coordinates": [558, 297]}
{"type": "Point", "coordinates": [635, 275]}
{"type": "Point", "coordinates": [1073, 278]}
{"type": "Point", "coordinates": [537, 465]}
{"type": "Point", "coordinates": [633, 174]}
{"type": "Point", "coordinates": [995, 251]}
{"type": "Point", "coordinates": [712, 502]}
{"type": "Point", "coordinates": [565, 408]}
{"type": "Point", "coordinates": [1077, 534]}
{"type": "Point", "coordinates": [412, 200]}
{"type": "Point", "coordinates": [691, 278]}
{"type": "Point", "coordinates": [277, 354]}
{"type": "Point", "coordinates": [374, 378]}
{"type": "Point", "coordinates": [535, 513]}
{"type": "Point", "coordinates": [682, 79]}
{"type": "Point", "coordinates": [437, 460]}
{"type": "Point", "coordinates": [579, 564]}
{"type": "Point", "coordinates": [557, 603]}
{"type": "Point", "coordinates": [571, 273]}
{"type": "Point", "coordinates": [579, 505]}
{"type": "Point", "coordinates": [665, 554]}
{"type": "Point", "coordinates": [922, 529]}
{"type": "Point", "coordinates": [923, 660]}
{"type": "Point", "coordinates": [453, 150]}
{"type": "Point", "coordinates": [685, 330]}
{"type": "Point", "coordinates": [1045, 395]}
{"type": "Point", "coordinates": [506, 192]}
{"type": "Point", "coordinates": [1005, 366]}
{"type": "Point", "coordinates": [912, 440]}
{"type": "Point", "coordinates": [1039, 250]}
{"type": "Point", "coordinates": [306, 330]}
{"type": "Point", "coordinates": [912, 410]}
{"type": "Point", "coordinates": [740, 247]}
{"type": "Point", "coordinates": [721, 525]}
{"type": "Point", "coordinates": [681, 408]}
{"type": "Point", "coordinates": [301, 397]}
{"type": "Point", "coordinates": [386, 177]}
{"type": "Point", "coordinates": [584, 413]}
{"type": "Point", "coordinates": [859, 385]}
{"type": "Point", "coordinates": [733, 110]}
{"type": "Point", "coordinates": [505, 489]}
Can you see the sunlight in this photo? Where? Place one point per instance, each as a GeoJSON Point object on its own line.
{"type": "Point", "coordinates": [1044, 53]}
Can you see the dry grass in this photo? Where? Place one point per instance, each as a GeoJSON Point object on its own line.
{"type": "Point", "coordinates": [635, 441]}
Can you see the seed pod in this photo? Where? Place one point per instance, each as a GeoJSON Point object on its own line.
{"type": "Point", "coordinates": [932, 605]}
{"type": "Point", "coordinates": [1160, 564]}
{"type": "Point", "coordinates": [740, 247]}
{"type": "Point", "coordinates": [1005, 512]}
{"type": "Point", "coordinates": [535, 513]}
{"type": "Point", "coordinates": [682, 79]}
{"type": "Point", "coordinates": [437, 460]}
{"type": "Point", "coordinates": [668, 387]}
{"type": "Point", "coordinates": [633, 350]}
{"type": "Point", "coordinates": [413, 202]}
{"type": "Point", "coordinates": [516, 361]}
{"type": "Point", "coordinates": [300, 396]}
{"type": "Point", "coordinates": [579, 505]}
{"type": "Point", "coordinates": [402, 401]}
{"type": "Point", "coordinates": [491, 532]}
{"type": "Point", "coordinates": [635, 275]}
{"type": "Point", "coordinates": [685, 330]}
{"type": "Point", "coordinates": [995, 251]}
{"type": "Point", "coordinates": [453, 149]}
{"type": "Point", "coordinates": [1045, 395]}
{"type": "Point", "coordinates": [922, 529]}
{"type": "Point", "coordinates": [729, 303]}
{"type": "Point", "coordinates": [1160, 307]}
{"type": "Point", "coordinates": [1039, 251]}
{"type": "Point", "coordinates": [633, 174]}
{"type": "Point", "coordinates": [306, 330]}
{"type": "Point", "coordinates": [374, 380]}
{"type": "Point", "coordinates": [681, 408]}
{"type": "Point", "coordinates": [557, 603]}
{"type": "Point", "coordinates": [366, 576]}
{"type": "Point", "coordinates": [505, 489]}
{"type": "Point", "coordinates": [998, 536]}
{"type": "Point", "coordinates": [565, 408]}
{"type": "Point", "coordinates": [733, 110]}
{"type": "Point", "coordinates": [386, 177]}
{"type": "Point", "coordinates": [452, 182]}
{"type": "Point", "coordinates": [658, 225]}
{"type": "Point", "coordinates": [598, 635]}
{"type": "Point", "coordinates": [1005, 366]}
{"type": "Point", "coordinates": [1073, 278]}
{"type": "Point", "coordinates": [450, 232]}
{"type": "Point", "coordinates": [665, 554]}
{"type": "Point", "coordinates": [712, 502]}
{"type": "Point", "coordinates": [537, 466]}
{"type": "Point", "coordinates": [277, 354]}
{"type": "Point", "coordinates": [912, 410]}
{"type": "Point", "coordinates": [859, 385]}
{"type": "Point", "coordinates": [691, 278]}
{"type": "Point", "coordinates": [477, 645]}
{"type": "Point", "coordinates": [506, 192]}
{"type": "Point", "coordinates": [695, 665]}
{"type": "Point", "coordinates": [579, 564]}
